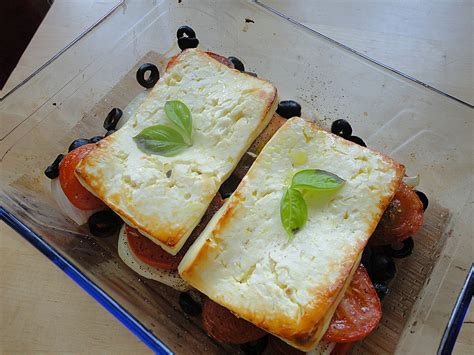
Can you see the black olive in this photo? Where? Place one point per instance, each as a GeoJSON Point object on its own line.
{"type": "Point", "coordinates": [251, 73]}
{"type": "Point", "coordinates": [187, 42]}
{"type": "Point", "coordinates": [113, 117]}
{"type": "Point", "coordinates": [405, 251]}
{"type": "Point", "coordinates": [110, 132]}
{"type": "Point", "coordinates": [78, 143]}
{"type": "Point", "coordinates": [229, 186]}
{"type": "Point", "coordinates": [288, 109]}
{"type": "Point", "coordinates": [237, 63]}
{"type": "Point", "coordinates": [381, 289]}
{"type": "Point", "coordinates": [256, 347]}
{"type": "Point", "coordinates": [152, 79]}
{"type": "Point", "coordinates": [382, 268]}
{"type": "Point", "coordinates": [52, 171]}
{"type": "Point", "coordinates": [342, 128]}
{"type": "Point", "coordinates": [423, 198]}
{"type": "Point", "coordinates": [188, 305]}
{"type": "Point", "coordinates": [185, 30]}
{"type": "Point", "coordinates": [104, 223]}
{"type": "Point", "coordinates": [366, 255]}
{"type": "Point", "coordinates": [357, 140]}
{"type": "Point", "coordinates": [96, 139]}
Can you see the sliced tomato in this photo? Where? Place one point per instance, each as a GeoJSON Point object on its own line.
{"type": "Point", "coordinates": [217, 57]}
{"type": "Point", "coordinates": [222, 325]}
{"type": "Point", "coordinates": [152, 254]}
{"type": "Point", "coordinates": [221, 59]}
{"type": "Point", "coordinates": [402, 218]}
{"type": "Point", "coordinates": [149, 252]}
{"type": "Point", "coordinates": [72, 188]}
{"type": "Point", "coordinates": [358, 313]}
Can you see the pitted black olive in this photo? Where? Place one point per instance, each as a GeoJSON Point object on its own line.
{"type": "Point", "coordinates": [104, 223]}
{"type": "Point", "coordinates": [113, 117]}
{"type": "Point", "coordinates": [357, 140]}
{"type": "Point", "coordinates": [423, 198]}
{"type": "Point", "coordinates": [78, 143]}
{"type": "Point", "coordinates": [185, 30]}
{"type": "Point", "coordinates": [288, 109]}
{"type": "Point", "coordinates": [152, 78]}
{"type": "Point", "coordinates": [237, 63]}
{"type": "Point", "coordinates": [188, 305]}
{"type": "Point", "coordinates": [255, 347]}
{"type": "Point", "coordinates": [52, 171]}
{"type": "Point", "coordinates": [381, 289]}
{"type": "Point", "coordinates": [96, 139]}
{"type": "Point", "coordinates": [110, 132]}
{"type": "Point", "coordinates": [342, 128]}
{"type": "Point", "coordinates": [406, 250]}
{"type": "Point", "coordinates": [187, 42]}
{"type": "Point", "coordinates": [382, 268]}
{"type": "Point", "coordinates": [229, 186]}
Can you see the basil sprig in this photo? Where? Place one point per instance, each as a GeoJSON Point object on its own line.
{"type": "Point", "coordinates": [315, 179]}
{"type": "Point", "coordinates": [293, 208]}
{"type": "Point", "coordinates": [179, 114]}
{"type": "Point", "coordinates": [293, 211]}
{"type": "Point", "coordinates": [168, 140]}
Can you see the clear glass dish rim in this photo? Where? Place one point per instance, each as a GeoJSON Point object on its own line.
{"type": "Point", "coordinates": [446, 346]}
{"type": "Point", "coordinates": [452, 327]}
{"type": "Point", "coordinates": [155, 344]}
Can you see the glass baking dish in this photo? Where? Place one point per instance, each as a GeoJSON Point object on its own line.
{"type": "Point", "coordinates": [425, 130]}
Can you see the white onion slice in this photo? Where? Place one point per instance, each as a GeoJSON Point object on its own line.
{"type": "Point", "coordinates": [79, 216]}
{"type": "Point", "coordinates": [168, 277]}
{"type": "Point", "coordinates": [412, 181]}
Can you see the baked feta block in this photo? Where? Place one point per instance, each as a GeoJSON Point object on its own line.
{"type": "Point", "coordinates": [246, 261]}
{"type": "Point", "coordinates": [165, 197]}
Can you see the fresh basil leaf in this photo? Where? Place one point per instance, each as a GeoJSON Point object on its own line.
{"type": "Point", "coordinates": [316, 179]}
{"type": "Point", "coordinates": [161, 140]}
{"type": "Point", "coordinates": [293, 211]}
{"type": "Point", "coordinates": [178, 113]}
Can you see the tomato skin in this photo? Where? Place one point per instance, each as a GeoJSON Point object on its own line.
{"type": "Point", "coordinates": [217, 57]}
{"type": "Point", "coordinates": [223, 326]}
{"type": "Point", "coordinates": [221, 59]}
{"type": "Point", "coordinates": [358, 313]}
{"type": "Point", "coordinates": [149, 252]}
{"type": "Point", "coordinates": [77, 194]}
{"type": "Point", "coordinates": [402, 218]}
{"type": "Point", "coordinates": [152, 254]}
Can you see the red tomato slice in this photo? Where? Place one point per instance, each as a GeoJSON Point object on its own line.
{"type": "Point", "coordinates": [152, 254]}
{"type": "Point", "coordinates": [217, 57]}
{"type": "Point", "coordinates": [402, 218]}
{"type": "Point", "coordinates": [72, 188]}
{"type": "Point", "coordinates": [358, 313]}
{"type": "Point", "coordinates": [223, 326]}
{"type": "Point", "coordinates": [221, 59]}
